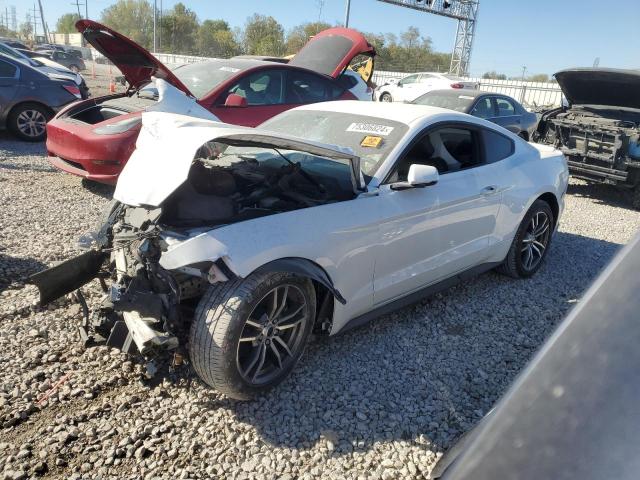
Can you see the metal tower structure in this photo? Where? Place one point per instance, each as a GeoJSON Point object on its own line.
{"type": "Point", "coordinates": [465, 11]}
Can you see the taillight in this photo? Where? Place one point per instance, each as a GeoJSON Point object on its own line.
{"type": "Point", "coordinates": [73, 90]}
{"type": "Point", "coordinates": [457, 85]}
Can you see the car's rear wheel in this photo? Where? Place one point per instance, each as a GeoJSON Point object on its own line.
{"type": "Point", "coordinates": [28, 121]}
{"type": "Point", "coordinates": [248, 334]}
{"type": "Point", "coordinates": [531, 243]}
{"type": "Point", "coordinates": [386, 97]}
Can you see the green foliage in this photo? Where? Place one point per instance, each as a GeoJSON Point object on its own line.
{"type": "Point", "coordinates": [301, 34]}
{"type": "Point", "coordinates": [179, 30]}
{"type": "Point", "coordinates": [131, 18]}
{"type": "Point", "coordinates": [263, 36]}
{"type": "Point", "coordinates": [493, 75]}
{"type": "Point", "coordinates": [215, 39]}
{"type": "Point", "coordinates": [411, 52]}
{"type": "Point", "coordinates": [539, 77]}
{"type": "Point", "coordinates": [67, 23]}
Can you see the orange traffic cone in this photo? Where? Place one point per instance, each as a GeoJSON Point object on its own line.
{"type": "Point", "coordinates": [112, 86]}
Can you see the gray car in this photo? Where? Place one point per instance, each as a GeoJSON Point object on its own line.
{"type": "Point", "coordinates": [72, 61]}
{"type": "Point", "coordinates": [29, 98]}
{"type": "Point", "coordinates": [497, 108]}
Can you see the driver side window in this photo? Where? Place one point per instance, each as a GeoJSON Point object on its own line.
{"type": "Point", "coordinates": [265, 87]}
{"type": "Point", "coordinates": [448, 148]}
{"type": "Point", "coordinates": [409, 79]}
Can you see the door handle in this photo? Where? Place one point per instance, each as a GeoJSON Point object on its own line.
{"type": "Point", "coordinates": [490, 190]}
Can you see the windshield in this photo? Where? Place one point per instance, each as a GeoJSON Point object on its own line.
{"type": "Point", "coordinates": [370, 138]}
{"type": "Point", "coordinates": [200, 78]}
{"type": "Point", "coordinates": [459, 103]}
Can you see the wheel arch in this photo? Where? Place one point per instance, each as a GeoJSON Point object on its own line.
{"type": "Point", "coordinates": [305, 268]}
{"type": "Point", "coordinates": [15, 106]}
{"type": "Point", "coordinates": [326, 292]}
{"type": "Point", "coordinates": [552, 201]}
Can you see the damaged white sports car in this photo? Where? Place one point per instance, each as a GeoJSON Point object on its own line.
{"type": "Point", "coordinates": [251, 239]}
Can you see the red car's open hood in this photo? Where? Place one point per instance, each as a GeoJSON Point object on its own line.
{"type": "Point", "coordinates": [330, 51]}
{"type": "Point", "coordinates": [136, 63]}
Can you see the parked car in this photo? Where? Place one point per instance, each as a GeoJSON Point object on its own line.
{"type": "Point", "coordinates": [73, 62]}
{"type": "Point", "coordinates": [29, 97]}
{"type": "Point", "coordinates": [275, 231]}
{"type": "Point", "coordinates": [495, 107]}
{"type": "Point", "coordinates": [599, 126]}
{"type": "Point", "coordinates": [240, 91]}
{"type": "Point", "coordinates": [13, 43]}
{"type": "Point", "coordinates": [46, 66]}
{"type": "Point", "coordinates": [412, 86]}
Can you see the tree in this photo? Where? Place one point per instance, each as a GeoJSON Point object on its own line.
{"type": "Point", "coordinates": [26, 31]}
{"type": "Point", "coordinates": [131, 18]}
{"type": "Point", "coordinates": [300, 35]}
{"type": "Point", "coordinates": [263, 36]}
{"type": "Point", "coordinates": [67, 23]}
{"type": "Point", "coordinates": [179, 30]}
{"type": "Point", "coordinates": [215, 39]}
{"type": "Point", "coordinates": [539, 77]}
{"type": "Point", "coordinates": [492, 75]}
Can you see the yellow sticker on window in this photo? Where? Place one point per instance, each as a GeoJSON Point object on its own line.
{"type": "Point", "coordinates": [371, 141]}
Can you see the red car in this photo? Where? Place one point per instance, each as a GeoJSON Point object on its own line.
{"type": "Point", "coordinates": [94, 138]}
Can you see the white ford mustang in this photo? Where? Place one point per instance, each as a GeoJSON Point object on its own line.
{"type": "Point", "coordinates": [254, 238]}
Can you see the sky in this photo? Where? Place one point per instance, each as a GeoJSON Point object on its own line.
{"type": "Point", "coordinates": [543, 35]}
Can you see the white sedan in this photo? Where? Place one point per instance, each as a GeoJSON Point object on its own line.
{"type": "Point", "coordinates": [413, 86]}
{"type": "Point", "coordinates": [253, 238]}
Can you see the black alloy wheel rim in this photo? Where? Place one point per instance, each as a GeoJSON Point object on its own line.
{"type": "Point", "coordinates": [273, 335]}
{"type": "Point", "coordinates": [535, 240]}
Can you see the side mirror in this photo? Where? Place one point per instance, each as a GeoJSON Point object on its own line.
{"type": "Point", "coordinates": [235, 100]}
{"type": "Point", "coordinates": [419, 176]}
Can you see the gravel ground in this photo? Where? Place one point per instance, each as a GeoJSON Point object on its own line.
{"type": "Point", "coordinates": [383, 401]}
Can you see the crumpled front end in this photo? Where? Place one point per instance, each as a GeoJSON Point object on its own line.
{"type": "Point", "coordinates": [143, 306]}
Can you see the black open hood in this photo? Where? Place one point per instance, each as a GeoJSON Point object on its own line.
{"type": "Point", "coordinates": [601, 86]}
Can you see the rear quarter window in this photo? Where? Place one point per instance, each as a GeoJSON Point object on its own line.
{"type": "Point", "coordinates": [496, 146]}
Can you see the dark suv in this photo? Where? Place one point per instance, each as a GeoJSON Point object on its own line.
{"type": "Point", "coordinates": [598, 128]}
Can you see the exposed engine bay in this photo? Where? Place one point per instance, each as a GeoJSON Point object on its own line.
{"type": "Point", "coordinates": [227, 187]}
{"type": "Point", "coordinates": [145, 306]}
{"type": "Point", "coordinates": [601, 144]}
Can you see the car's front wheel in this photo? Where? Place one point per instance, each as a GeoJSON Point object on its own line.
{"type": "Point", "coordinates": [386, 97]}
{"type": "Point", "coordinates": [531, 243]}
{"type": "Point", "coordinates": [248, 334]}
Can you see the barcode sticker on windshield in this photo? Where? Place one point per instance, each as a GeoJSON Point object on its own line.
{"type": "Point", "coordinates": [372, 128]}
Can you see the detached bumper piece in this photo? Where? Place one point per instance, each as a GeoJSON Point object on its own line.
{"type": "Point", "coordinates": [68, 276]}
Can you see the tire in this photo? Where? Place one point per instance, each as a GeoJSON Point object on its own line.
{"type": "Point", "coordinates": [74, 68]}
{"type": "Point", "coordinates": [523, 259]}
{"type": "Point", "coordinates": [230, 311]}
{"type": "Point", "coordinates": [524, 136]}
{"type": "Point", "coordinates": [386, 97]}
{"type": "Point", "coordinates": [27, 121]}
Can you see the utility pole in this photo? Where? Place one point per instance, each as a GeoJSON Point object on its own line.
{"type": "Point", "coordinates": [77, 4]}
{"type": "Point", "coordinates": [44, 25]}
{"type": "Point", "coordinates": [155, 10]}
{"type": "Point", "coordinates": [524, 69]}
{"type": "Point", "coordinates": [346, 14]}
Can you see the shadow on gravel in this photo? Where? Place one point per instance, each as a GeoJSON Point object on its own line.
{"type": "Point", "coordinates": [16, 270]}
{"type": "Point", "coordinates": [427, 373]}
{"type": "Point", "coordinates": [603, 194]}
{"type": "Point", "coordinates": [10, 146]}
{"type": "Point", "coordinates": [100, 189]}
